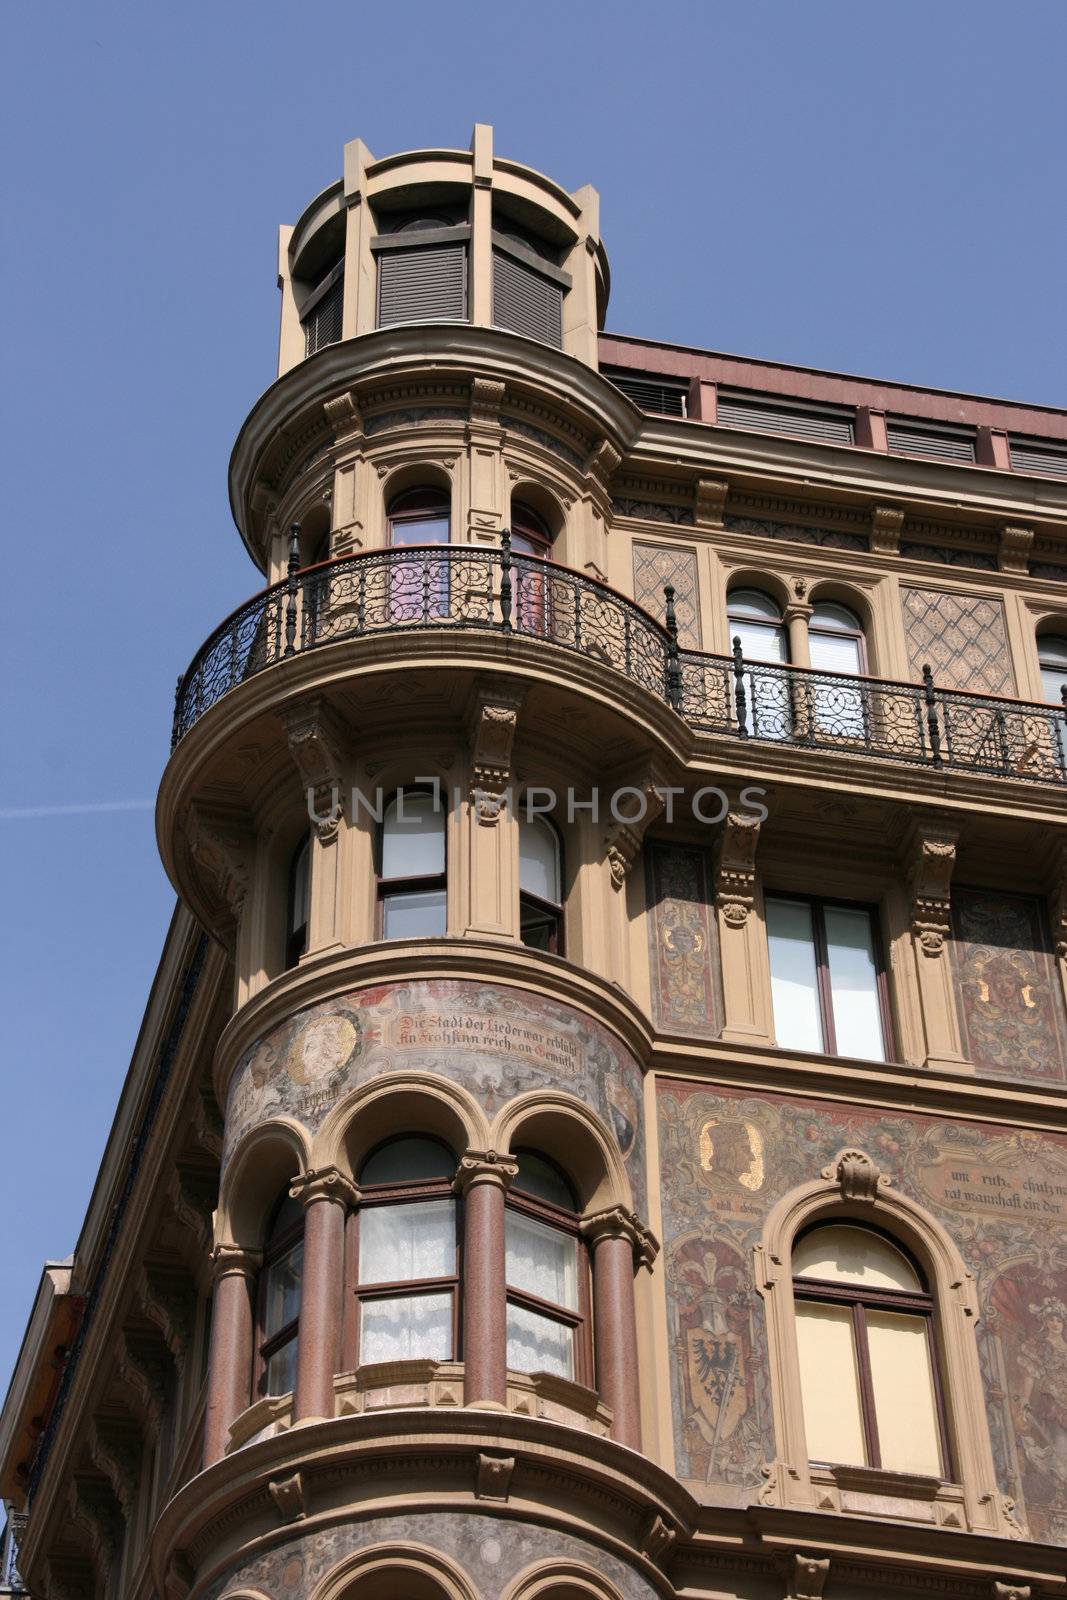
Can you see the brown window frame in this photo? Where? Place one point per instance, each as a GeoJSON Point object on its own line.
{"type": "Point", "coordinates": [548, 909]}
{"type": "Point", "coordinates": [418, 883]}
{"type": "Point", "coordinates": [912, 1302]}
{"type": "Point", "coordinates": [266, 1348]}
{"type": "Point", "coordinates": [823, 991]}
{"type": "Point", "coordinates": [856, 633]}
{"type": "Point", "coordinates": [394, 1194]}
{"type": "Point", "coordinates": [580, 1321]}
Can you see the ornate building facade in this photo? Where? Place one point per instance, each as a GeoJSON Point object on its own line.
{"type": "Point", "coordinates": [598, 1128]}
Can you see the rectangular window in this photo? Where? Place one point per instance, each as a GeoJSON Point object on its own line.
{"type": "Point", "coordinates": [422, 283]}
{"type": "Point", "coordinates": [407, 1280]}
{"type": "Point", "coordinates": [827, 978]}
{"type": "Point", "coordinates": [526, 299]}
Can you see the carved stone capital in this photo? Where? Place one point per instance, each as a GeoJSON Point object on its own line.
{"type": "Point", "coordinates": [288, 1496]}
{"type": "Point", "coordinates": [710, 505]}
{"type": "Point", "coordinates": [221, 850]}
{"type": "Point", "coordinates": [735, 866]}
{"type": "Point", "coordinates": [856, 1175]}
{"type": "Point", "coordinates": [484, 1166]}
{"type": "Point", "coordinates": [493, 721]}
{"type": "Point", "coordinates": [1015, 547]}
{"type": "Point", "coordinates": [615, 1222]}
{"type": "Point", "coordinates": [930, 857]}
{"type": "Point", "coordinates": [493, 1477]}
{"type": "Point", "coordinates": [887, 523]}
{"type": "Point", "coordinates": [644, 802]}
{"type": "Point", "coordinates": [807, 1577]}
{"type": "Point", "coordinates": [324, 1183]}
{"type": "Point", "coordinates": [1011, 1591]}
{"type": "Point", "coordinates": [230, 1259]}
{"type": "Point", "coordinates": [317, 746]}
{"type": "Point", "coordinates": [487, 396]}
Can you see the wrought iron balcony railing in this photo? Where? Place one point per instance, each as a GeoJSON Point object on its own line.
{"type": "Point", "coordinates": [459, 587]}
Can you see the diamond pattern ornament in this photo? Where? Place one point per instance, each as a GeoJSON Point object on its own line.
{"type": "Point", "coordinates": [962, 636]}
{"type": "Point", "coordinates": [657, 565]}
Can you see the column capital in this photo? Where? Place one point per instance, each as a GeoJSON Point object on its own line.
{"type": "Point", "coordinates": [234, 1261]}
{"type": "Point", "coordinates": [484, 1166]}
{"type": "Point", "coordinates": [615, 1222]}
{"type": "Point", "coordinates": [324, 1183]}
{"type": "Point", "coordinates": [929, 857]}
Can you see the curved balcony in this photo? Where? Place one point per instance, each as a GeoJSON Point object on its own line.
{"type": "Point", "coordinates": [459, 587]}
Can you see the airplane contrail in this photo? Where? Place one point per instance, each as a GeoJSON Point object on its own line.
{"type": "Point", "coordinates": [16, 813]}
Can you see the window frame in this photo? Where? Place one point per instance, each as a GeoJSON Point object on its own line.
{"type": "Point", "coordinates": [578, 1320]}
{"type": "Point", "coordinates": [548, 908]}
{"type": "Point", "coordinates": [858, 634]}
{"type": "Point", "coordinates": [417, 883]}
{"type": "Point", "coordinates": [400, 1192]}
{"type": "Point", "coordinates": [859, 1299]}
{"type": "Point", "coordinates": [266, 1348]}
{"type": "Point", "coordinates": [823, 991]}
{"type": "Point", "coordinates": [299, 935]}
{"type": "Point", "coordinates": [1052, 664]}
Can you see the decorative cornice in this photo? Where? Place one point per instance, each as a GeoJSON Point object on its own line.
{"type": "Point", "coordinates": [324, 1183]}
{"type": "Point", "coordinates": [735, 866]}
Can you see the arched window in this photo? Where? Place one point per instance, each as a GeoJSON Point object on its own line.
{"type": "Point", "coordinates": [279, 1300]}
{"type": "Point", "coordinates": [547, 1274]}
{"type": "Point", "coordinates": [407, 1252]}
{"type": "Point", "coordinates": [419, 516]}
{"type": "Point", "coordinates": [411, 866]}
{"type": "Point", "coordinates": [418, 589]}
{"type": "Point", "coordinates": [835, 639]}
{"type": "Point", "coordinates": [1052, 654]}
{"type": "Point", "coordinates": [756, 620]}
{"type": "Point", "coordinates": [531, 541]}
{"type": "Point", "coordinates": [530, 534]}
{"type": "Point", "coordinates": [868, 1353]}
{"type": "Point", "coordinates": [299, 900]}
{"type": "Point", "coordinates": [540, 884]}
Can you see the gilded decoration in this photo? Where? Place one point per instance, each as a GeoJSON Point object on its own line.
{"type": "Point", "coordinates": [962, 637]}
{"type": "Point", "coordinates": [1010, 995]}
{"type": "Point", "coordinates": [655, 566]}
{"type": "Point", "coordinates": [727, 1157]}
{"type": "Point", "coordinates": [490, 1552]}
{"type": "Point", "coordinates": [682, 942]}
{"type": "Point", "coordinates": [496, 1042]}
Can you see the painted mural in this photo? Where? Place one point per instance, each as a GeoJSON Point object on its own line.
{"type": "Point", "coordinates": [682, 942]}
{"type": "Point", "coordinates": [1010, 994]}
{"type": "Point", "coordinates": [727, 1157]}
{"type": "Point", "coordinates": [492, 1551]}
{"type": "Point", "coordinates": [495, 1041]}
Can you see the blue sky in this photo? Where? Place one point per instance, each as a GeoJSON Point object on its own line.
{"type": "Point", "coordinates": [874, 189]}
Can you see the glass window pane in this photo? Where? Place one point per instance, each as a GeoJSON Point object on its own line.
{"type": "Point", "coordinates": [542, 1261]}
{"type": "Point", "coordinates": [794, 985]}
{"type": "Point", "coordinates": [406, 1328]}
{"type": "Point", "coordinates": [854, 983]}
{"type": "Point", "coordinates": [760, 642]}
{"type": "Point", "coordinates": [280, 1377]}
{"type": "Point", "coordinates": [414, 916]}
{"type": "Point", "coordinates": [834, 618]}
{"type": "Point", "coordinates": [402, 1242]}
{"type": "Point", "coordinates": [829, 1384]}
{"type": "Point", "coordinates": [752, 603]}
{"type": "Point", "coordinates": [538, 1344]}
{"type": "Point", "coordinates": [423, 530]}
{"type": "Point", "coordinates": [904, 1401]}
{"type": "Point", "coordinates": [539, 1177]}
{"type": "Point", "coordinates": [539, 859]}
{"type": "Point", "coordinates": [1053, 682]}
{"type": "Point", "coordinates": [413, 836]}
{"type": "Point", "coordinates": [854, 1255]}
{"type": "Point", "coordinates": [281, 1295]}
{"type": "Point", "coordinates": [301, 881]}
{"type": "Point", "coordinates": [408, 1160]}
{"type": "Point", "coordinates": [830, 653]}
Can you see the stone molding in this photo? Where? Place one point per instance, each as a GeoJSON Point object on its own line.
{"type": "Point", "coordinates": [930, 858]}
{"type": "Point", "coordinates": [735, 866]}
{"type": "Point", "coordinates": [492, 723]}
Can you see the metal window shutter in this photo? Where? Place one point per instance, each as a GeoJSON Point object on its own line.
{"type": "Point", "coordinates": [1033, 455]}
{"type": "Point", "coordinates": [665, 396]}
{"type": "Point", "coordinates": [763, 417]}
{"type": "Point", "coordinates": [526, 302]}
{"type": "Point", "coordinates": [910, 439]}
{"type": "Point", "coordinates": [423, 285]}
{"type": "Point", "coordinates": [323, 326]}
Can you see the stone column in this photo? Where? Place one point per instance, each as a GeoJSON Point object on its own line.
{"type": "Point", "coordinates": [229, 1373]}
{"type": "Point", "coordinates": [617, 1240]}
{"type": "Point", "coordinates": [482, 1179]}
{"type": "Point", "coordinates": [797, 617]}
{"type": "Point", "coordinates": [325, 1196]}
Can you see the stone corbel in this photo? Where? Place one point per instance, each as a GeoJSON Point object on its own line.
{"type": "Point", "coordinates": [493, 1476]}
{"type": "Point", "coordinates": [69, 1577]}
{"type": "Point", "coordinates": [623, 840]}
{"type": "Point", "coordinates": [615, 1222]}
{"type": "Point", "coordinates": [492, 725]}
{"type": "Point", "coordinates": [856, 1175]}
{"type": "Point", "coordinates": [96, 1512]}
{"type": "Point", "coordinates": [931, 851]}
{"type": "Point", "coordinates": [484, 1166]}
{"type": "Point", "coordinates": [1015, 547]}
{"type": "Point", "coordinates": [735, 867]}
{"type": "Point", "coordinates": [658, 1538]}
{"type": "Point", "coordinates": [344, 416]}
{"type": "Point", "coordinates": [168, 1298]}
{"type": "Point", "coordinates": [324, 1183]}
{"type": "Point", "coordinates": [807, 1577]}
{"type": "Point", "coordinates": [144, 1368]}
{"type": "Point", "coordinates": [205, 1124]}
{"type": "Point", "coordinates": [221, 851]}
{"type": "Point", "coordinates": [317, 746]}
{"type": "Point", "coordinates": [887, 523]}
{"type": "Point", "coordinates": [179, 1576]}
{"type": "Point", "coordinates": [710, 505]}
{"type": "Point", "coordinates": [1011, 1591]}
{"type": "Point", "coordinates": [487, 396]}
{"type": "Point", "coordinates": [289, 1497]}
{"type": "Point", "coordinates": [115, 1448]}
{"type": "Point", "coordinates": [601, 464]}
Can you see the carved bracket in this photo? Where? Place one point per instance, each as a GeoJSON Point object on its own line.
{"type": "Point", "coordinates": [221, 851]}
{"type": "Point", "coordinates": [96, 1512]}
{"type": "Point", "coordinates": [887, 523]}
{"type": "Point", "coordinates": [658, 1538]}
{"type": "Point", "coordinates": [623, 840]}
{"type": "Point", "coordinates": [115, 1449]}
{"type": "Point", "coordinates": [857, 1176]}
{"type": "Point", "coordinates": [1015, 547]}
{"type": "Point", "coordinates": [808, 1576]}
{"type": "Point", "coordinates": [343, 415]}
{"type": "Point", "coordinates": [1058, 900]}
{"type": "Point", "coordinates": [317, 746]}
{"type": "Point", "coordinates": [710, 506]}
{"type": "Point", "coordinates": [487, 396]}
{"type": "Point", "coordinates": [493, 1476]}
{"type": "Point", "coordinates": [735, 867]}
{"type": "Point", "coordinates": [288, 1496]}
{"type": "Point", "coordinates": [493, 721]}
{"type": "Point", "coordinates": [168, 1298]}
{"type": "Point", "coordinates": [1011, 1591]}
{"type": "Point", "coordinates": [931, 858]}
{"type": "Point", "coordinates": [145, 1369]}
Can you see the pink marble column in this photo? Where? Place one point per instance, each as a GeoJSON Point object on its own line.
{"type": "Point", "coordinates": [482, 1179]}
{"type": "Point", "coordinates": [229, 1371]}
{"type": "Point", "coordinates": [617, 1240]}
{"type": "Point", "coordinates": [326, 1196]}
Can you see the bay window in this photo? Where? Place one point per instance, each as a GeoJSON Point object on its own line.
{"type": "Point", "coordinates": [828, 986]}
{"type": "Point", "coordinates": [547, 1274]}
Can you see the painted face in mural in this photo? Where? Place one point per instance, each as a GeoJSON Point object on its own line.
{"type": "Point", "coordinates": [324, 1046]}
